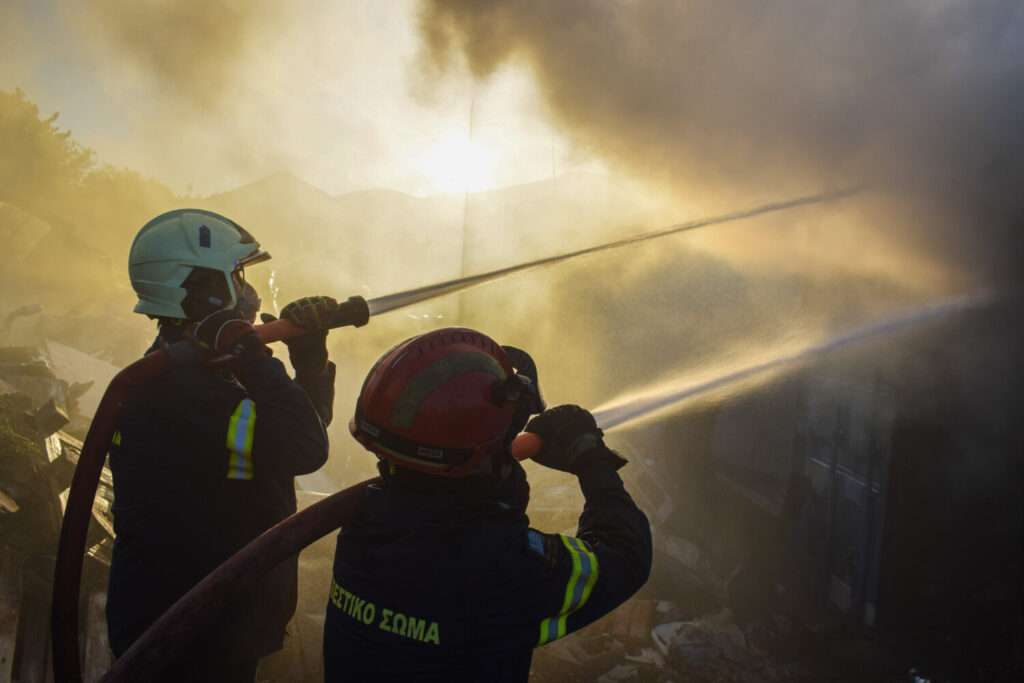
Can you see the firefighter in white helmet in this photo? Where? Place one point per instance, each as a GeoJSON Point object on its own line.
{"type": "Point", "coordinates": [204, 459]}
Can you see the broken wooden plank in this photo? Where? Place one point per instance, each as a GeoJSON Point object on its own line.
{"type": "Point", "coordinates": [8, 504]}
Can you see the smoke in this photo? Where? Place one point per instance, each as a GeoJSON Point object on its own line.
{"type": "Point", "coordinates": [728, 102]}
{"type": "Point", "coordinates": [191, 48]}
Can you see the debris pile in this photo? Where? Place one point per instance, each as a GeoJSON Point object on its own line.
{"type": "Point", "coordinates": [645, 641]}
{"type": "Point", "coordinates": [640, 642]}
{"type": "Point", "coordinates": [41, 434]}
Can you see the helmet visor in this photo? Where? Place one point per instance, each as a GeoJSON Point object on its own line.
{"type": "Point", "coordinates": [258, 256]}
{"type": "Point", "coordinates": [238, 272]}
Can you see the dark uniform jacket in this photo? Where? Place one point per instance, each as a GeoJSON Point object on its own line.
{"type": "Point", "coordinates": [432, 587]}
{"type": "Point", "coordinates": [202, 464]}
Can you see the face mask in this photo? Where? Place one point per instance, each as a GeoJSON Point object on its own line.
{"type": "Point", "coordinates": [248, 303]}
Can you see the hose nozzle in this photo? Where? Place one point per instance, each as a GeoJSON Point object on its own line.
{"type": "Point", "coordinates": [353, 311]}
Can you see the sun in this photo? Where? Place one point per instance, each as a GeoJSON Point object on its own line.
{"type": "Point", "coordinates": [457, 165]}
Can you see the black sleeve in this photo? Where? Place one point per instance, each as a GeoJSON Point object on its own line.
{"type": "Point", "coordinates": [571, 582]}
{"type": "Point", "coordinates": [615, 529]}
{"type": "Point", "coordinates": [618, 535]}
{"type": "Point", "coordinates": [320, 389]}
{"type": "Point", "coordinates": [288, 436]}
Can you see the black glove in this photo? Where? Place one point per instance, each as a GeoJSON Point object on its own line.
{"type": "Point", "coordinates": [311, 312]}
{"type": "Point", "coordinates": [572, 440]}
{"type": "Point", "coordinates": [226, 333]}
{"type": "Point", "coordinates": [308, 352]}
{"type": "Point", "coordinates": [529, 400]}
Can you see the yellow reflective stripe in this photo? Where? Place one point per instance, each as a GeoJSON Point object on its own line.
{"type": "Point", "coordinates": [577, 591]}
{"type": "Point", "coordinates": [239, 442]}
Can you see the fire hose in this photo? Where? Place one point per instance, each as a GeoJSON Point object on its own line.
{"type": "Point", "coordinates": [168, 635]}
{"type": "Point", "coordinates": [200, 606]}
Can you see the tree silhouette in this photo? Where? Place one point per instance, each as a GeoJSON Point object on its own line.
{"type": "Point", "coordinates": [38, 160]}
{"type": "Point", "coordinates": [73, 219]}
{"type": "Point", "coordinates": [45, 172]}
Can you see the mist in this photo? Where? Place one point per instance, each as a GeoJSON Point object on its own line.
{"type": "Point", "coordinates": [775, 352]}
{"type": "Point", "coordinates": [719, 105]}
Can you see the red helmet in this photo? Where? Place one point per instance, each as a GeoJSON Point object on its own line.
{"type": "Point", "coordinates": [438, 403]}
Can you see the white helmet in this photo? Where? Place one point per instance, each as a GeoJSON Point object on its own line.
{"type": "Point", "coordinates": [181, 263]}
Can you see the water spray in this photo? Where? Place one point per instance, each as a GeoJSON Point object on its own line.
{"type": "Point", "coordinates": [274, 289]}
{"type": "Point", "coordinates": [645, 403]}
{"type": "Point", "coordinates": [391, 302]}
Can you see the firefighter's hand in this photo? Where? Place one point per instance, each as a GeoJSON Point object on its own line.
{"type": "Point", "coordinates": [308, 352]}
{"type": "Point", "coordinates": [572, 440]}
{"type": "Point", "coordinates": [311, 312]}
{"type": "Point", "coordinates": [226, 333]}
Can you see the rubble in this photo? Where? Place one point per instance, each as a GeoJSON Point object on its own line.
{"type": "Point", "coordinates": [41, 428]}
{"type": "Point", "coordinates": [709, 649]}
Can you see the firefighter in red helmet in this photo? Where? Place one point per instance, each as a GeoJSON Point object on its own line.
{"type": "Point", "coordinates": [443, 578]}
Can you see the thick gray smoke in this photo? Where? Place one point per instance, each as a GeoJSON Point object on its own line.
{"type": "Point", "coordinates": [729, 102]}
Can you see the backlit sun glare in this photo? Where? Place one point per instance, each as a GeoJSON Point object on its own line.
{"type": "Point", "coordinates": [457, 165]}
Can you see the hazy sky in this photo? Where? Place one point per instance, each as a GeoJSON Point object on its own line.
{"type": "Point", "coordinates": [217, 94]}
{"type": "Point", "coordinates": [726, 103]}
